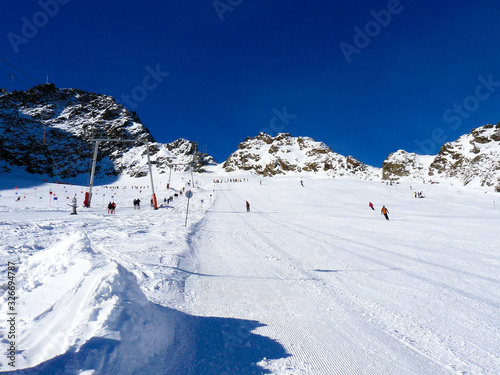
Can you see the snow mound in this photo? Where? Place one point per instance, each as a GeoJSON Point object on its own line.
{"type": "Point", "coordinates": [77, 305]}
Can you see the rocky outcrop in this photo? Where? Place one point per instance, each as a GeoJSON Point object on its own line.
{"type": "Point", "coordinates": [473, 158]}
{"type": "Point", "coordinates": [46, 130]}
{"type": "Point", "coordinates": [404, 164]}
{"type": "Point", "coordinates": [285, 154]}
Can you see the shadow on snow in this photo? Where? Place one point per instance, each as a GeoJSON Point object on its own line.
{"type": "Point", "coordinates": [203, 345]}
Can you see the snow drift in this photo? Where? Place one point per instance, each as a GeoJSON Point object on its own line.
{"type": "Point", "coordinates": [73, 300]}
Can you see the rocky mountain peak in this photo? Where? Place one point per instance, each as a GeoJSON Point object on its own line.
{"type": "Point", "coordinates": [473, 158]}
{"type": "Point", "coordinates": [284, 154]}
{"type": "Point", "coordinates": [46, 130]}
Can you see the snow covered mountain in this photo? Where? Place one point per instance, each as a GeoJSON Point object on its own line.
{"type": "Point", "coordinates": [49, 131]}
{"type": "Point", "coordinates": [473, 159]}
{"type": "Point", "coordinates": [284, 154]}
{"type": "Point", "coordinates": [404, 164]}
{"type": "Point", "coordinates": [46, 130]}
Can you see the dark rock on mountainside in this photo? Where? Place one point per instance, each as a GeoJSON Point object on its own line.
{"type": "Point", "coordinates": [46, 130]}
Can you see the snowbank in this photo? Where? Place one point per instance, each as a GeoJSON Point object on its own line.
{"type": "Point", "coordinates": [72, 299]}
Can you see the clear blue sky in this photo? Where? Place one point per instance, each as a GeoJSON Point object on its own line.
{"type": "Point", "coordinates": [234, 65]}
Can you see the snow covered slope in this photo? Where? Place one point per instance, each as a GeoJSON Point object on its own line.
{"type": "Point", "coordinates": [310, 281]}
{"type": "Point", "coordinates": [472, 159]}
{"type": "Point", "coordinates": [48, 131]}
{"type": "Point", "coordinates": [92, 289]}
{"type": "Point", "coordinates": [284, 154]}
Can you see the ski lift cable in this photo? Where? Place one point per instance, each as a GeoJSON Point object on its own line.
{"type": "Point", "coordinates": [14, 78]}
{"type": "Point", "coordinates": [34, 80]}
{"type": "Point", "coordinates": [11, 76]}
{"type": "Point", "coordinates": [20, 71]}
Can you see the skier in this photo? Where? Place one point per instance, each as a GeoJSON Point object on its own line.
{"type": "Point", "coordinates": [110, 207]}
{"type": "Point", "coordinates": [113, 207]}
{"type": "Point", "coordinates": [371, 206]}
{"type": "Point", "coordinates": [302, 183]}
{"type": "Point", "coordinates": [73, 205]}
{"type": "Point", "coordinates": [384, 211]}
{"type": "Point", "coordinates": [248, 206]}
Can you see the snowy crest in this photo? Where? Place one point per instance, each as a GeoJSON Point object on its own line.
{"type": "Point", "coordinates": [284, 154]}
{"type": "Point", "coordinates": [46, 130]}
{"type": "Point", "coordinates": [404, 164]}
{"type": "Point", "coordinates": [472, 159]}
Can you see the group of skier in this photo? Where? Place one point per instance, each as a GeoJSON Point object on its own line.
{"type": "Point", "coordinates": [137, 204]}
{"type": "Point", "coordinates": [217, 181]}
{"type": "Point", "coordinates": [384, 211]}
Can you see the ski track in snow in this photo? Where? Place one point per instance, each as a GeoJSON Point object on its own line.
{"type": "Point", "coordinates": [311, 281]}
{"type": "Point", "coordinates": [340, 320]}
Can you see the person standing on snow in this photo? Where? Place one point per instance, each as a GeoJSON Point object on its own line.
{"type": "Point", "coordinates": [248, 206]}
{"type": "Point", "coordinates": [302, 183]}
{"type": "Point", "coordinates": [73, 205]}
{"type": "Point", "coordinates": [371, 206]}
{"type": "Point", "coordinates": [384, 211]}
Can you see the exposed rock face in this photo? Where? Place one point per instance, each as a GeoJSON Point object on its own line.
{"type": "Point", "coordinates": [404, 164]}
{"type": "Point", "coordinates": [46, 130]}
{"type": "Point", "coordinates": [49, 131]}
{"type": "Point", "coordinates": [473, 158]}
{"type": "Point", "coordinates": [284, 154]}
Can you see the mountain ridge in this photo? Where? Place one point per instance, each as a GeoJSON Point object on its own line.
{"type": "Point", "coordinates": [473, 158]}
{"type": "Point", "coordinates": [50, 131]}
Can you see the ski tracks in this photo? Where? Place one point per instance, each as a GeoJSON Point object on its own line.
{"type": "Point", "coordinates": [256, 275]}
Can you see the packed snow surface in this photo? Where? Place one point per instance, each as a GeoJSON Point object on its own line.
{"type": "Point", "coordinates": [310, 281]}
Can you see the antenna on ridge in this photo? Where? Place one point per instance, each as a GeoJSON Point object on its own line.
{"type": "Point", "coordinates": [47, 79]}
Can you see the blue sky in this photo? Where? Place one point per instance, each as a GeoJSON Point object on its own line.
{"type": "Point", "coordinates": [366, 78]}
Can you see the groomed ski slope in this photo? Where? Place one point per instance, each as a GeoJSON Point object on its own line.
{"type": "Point", "coordinates": [347, 292]}
{"type": "Point", "coordinates": [311, 281]}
